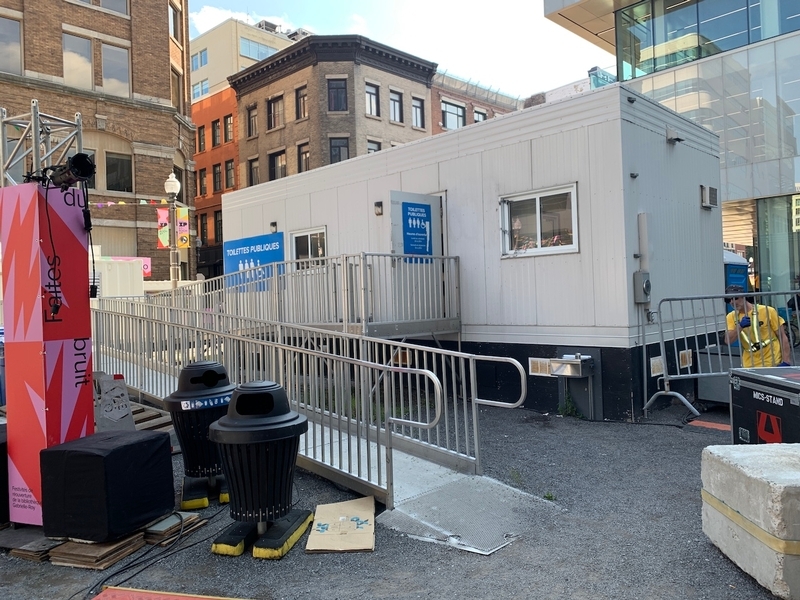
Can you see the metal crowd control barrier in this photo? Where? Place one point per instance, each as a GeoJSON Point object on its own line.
{"type": "Point", "coordinates": [693, 343]}
{"type": "Point", "coordinates": [371, 294]}
{"type": "Point", "coordinates": [363, 396]}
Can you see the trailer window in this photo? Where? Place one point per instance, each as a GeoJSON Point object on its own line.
{"type": "Point", "coordinates": [543, 222]}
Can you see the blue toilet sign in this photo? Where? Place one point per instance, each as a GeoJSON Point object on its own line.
{"type": "Point", "coordinates": [417, 234]}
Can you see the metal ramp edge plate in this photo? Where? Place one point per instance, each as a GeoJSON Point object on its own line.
{"type": "Point", "coordinates": [473, 513]}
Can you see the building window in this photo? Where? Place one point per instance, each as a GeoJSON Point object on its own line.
{"type": "Point", "coordinates": [201, 182]}
{"type": "Point", "coordinates": [230, 174]}
{"type": "Point", "coordinates": [277, 165]}
{"type": "Point", "coordinates": [176, 87]}
{"type": "Point", "coordinates": [340, 149]}
{"type": "Point", "coordinates": [478, 115]}
{"type": "Point", "coordinates": [217, 178]}
{"type": "Point", "coordinates": [199, 89]}
{"type": "Point", "coordinates": [217, 226]}
{"type": "Point", "coordinates": [418, 112]}
{"type": "Point", "coordinates": [252, 172]}
{"type": "Point", "coordinates": [120, 6]}
{"type": "Point", "coordinates": [204, 229]}
{"type": "Point", "coordinates": [228, 121]}
{"type": "Point", "coordinates": [11, 42]}
{"type": "Point", "coordinates": [453, 116]}
{"type": "Point", "coordinates": [301, 102]}
{"type": "Point", "coordinates": [252, 49]}
{"type": "Point", "coordinates": [309, 244]}
{"type": "Point", "coordinates": [78, 71]}
{"type": "Point", "coordinates": [303, 158]}
{"type": "Point", "coordinates": [252, 121]}
{"type": "Point", "coordinates": [116, 71]}
{"type": "Point", "coordinates": [199, 59]}
{"type": "Point", "coordinates": [373, 103]}
{"type": "Point", "coordinates": [373, 146]}
{"type": "Point", "coordinates": [337, 94]}
{"type": "Point", "coordinates": [275, 113]}
{"type": "Point", "coordinates": [395, 106]}
{"type": "Point", "coordinates": [119, 174]}
{"type": "Point", "coordinates": [540, 222]}
{"type": "Point", "coordinates": [175, 23]}
{"type": "Point", "coordinates": [215, 133]}
{"type": "Point", "coordinates": [201, 138]}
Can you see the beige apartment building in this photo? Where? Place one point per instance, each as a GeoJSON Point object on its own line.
{"type": "Point", "coordinates": [123, 65]}
{"type": "Point", "coordinates": [325, 99]}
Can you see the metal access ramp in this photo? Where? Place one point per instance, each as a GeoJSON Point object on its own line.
{"type": "Point", "coordinates": [365, 398]}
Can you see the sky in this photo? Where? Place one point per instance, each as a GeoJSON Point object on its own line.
{"type": "Point", "coordinates": [509, 46]}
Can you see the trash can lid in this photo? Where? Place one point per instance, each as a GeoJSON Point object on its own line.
{"type": "Point", "coordinates": [258, 412]}
{"type": "Point", "coordinates": [202, 384]}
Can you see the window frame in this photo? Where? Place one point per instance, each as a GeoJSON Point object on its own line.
{"type": "Point", "coordinates": [301, 102]}
{"type": "Point", "coordinates": [130, 162]}
{"type": "Point", "coordinates": [310, 234]}
{"type": "Point", "coordinates": [127, 52]}
{"type": "Point", "coordinates": [339, 147]}
{"type": "Point", "coordinates": [217, 226]}
{"type": "Point", "coordinates": [216, 133]}
{"type": "Point", "coordinates": [337, 95]}
{"type": "Point", "coordinates": [373, 146]}
{"type": "Point", "coordinates": [127, 10]}
{"type": "Point", "coordinates": [175, 23]}
{"type": "Point", "coordinates": [275, 113]}
{"type": "Point", "coordinates": [217, 178]}
{"type": "Point", "coordinates": [479, 111]}
{"type": "Point", "coordinates": [64, 37]}
{"type": "Point", "coordinates": [251, 181]}
{"type": "Point", "coordinates": [372, 99]}
{"type": "Point", "coordinates": [462, 116]}
{"type": "Point", "coordinates": [204, 229]}
{"type": "Point", "coordinates": [252, 121]}
{"type": "Point", "coordinates": [202, 186]}
{"type": "Point", "coordinates": [506, 227]}
{"type": "Point", "coordinates": [201, 138]}
{"type": "Point", "coordinates": [20, 67]}
{"type": "Point", "coordinates": [417, 110]}
{"type": "Point", "coordinates": [227, 130]}
{"type": "Point", "coordinates": [303, 158]}
{"type": "Point", "coordinates": [230, 174]}
{"type": "Point", "coordinates": [201, 59]}
{"type": "Point", "coordinates": [277, 165]}
{"type": "Point", "coordinates": [395, 106]}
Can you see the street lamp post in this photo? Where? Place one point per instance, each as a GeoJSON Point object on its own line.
{"type": "Point", "coordinates": [172, 186]}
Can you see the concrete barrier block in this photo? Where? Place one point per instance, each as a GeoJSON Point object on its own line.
{"type": "Point", "coordinates": [751, 511]}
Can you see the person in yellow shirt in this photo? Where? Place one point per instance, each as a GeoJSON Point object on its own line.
{"type": "Point", "coordinates": [759, 329]}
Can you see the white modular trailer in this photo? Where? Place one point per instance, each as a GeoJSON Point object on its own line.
{"type": "Point", "coordinates": [610, 189]}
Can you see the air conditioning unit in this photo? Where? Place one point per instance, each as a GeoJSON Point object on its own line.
{"type": "Point", "coordinates": [708, 197]}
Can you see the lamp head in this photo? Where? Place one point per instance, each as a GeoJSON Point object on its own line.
{"type": "Point", "coordinates": [172, 186]}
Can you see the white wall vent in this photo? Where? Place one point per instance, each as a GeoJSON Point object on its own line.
{"type": "Point", "coordinates": [708, 197]}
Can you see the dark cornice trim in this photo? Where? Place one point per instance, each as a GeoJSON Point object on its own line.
{"type": "Point", "coordinates": [332, 48]}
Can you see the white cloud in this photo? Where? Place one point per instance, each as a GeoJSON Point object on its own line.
{"type": "Point", "coordinates": [210, 16]}
{"type": "Point", "coordinates": [358, 25]}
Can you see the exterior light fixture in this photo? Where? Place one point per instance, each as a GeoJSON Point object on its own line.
{"type": "Point", "coordinates": [378, 208]}
{"type": "Point", "coordinates": [273, 226]}
{"type": "Point", "coordinates": [172, 187]}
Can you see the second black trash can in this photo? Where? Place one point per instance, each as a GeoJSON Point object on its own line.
{"type": "Point", "coordinates": [202, 397]}
{"type": "Point", "coordinates": [258, 441]}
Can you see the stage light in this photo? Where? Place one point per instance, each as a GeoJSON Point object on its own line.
{"type": "Point", "coordinates": [78, 168]}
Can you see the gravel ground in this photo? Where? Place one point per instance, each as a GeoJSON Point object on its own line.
{"type": "Point", "coordinates": [629, 527]}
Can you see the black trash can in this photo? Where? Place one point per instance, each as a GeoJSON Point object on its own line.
{"type": "Point", "coordinates": [258, 441]}
{"type": "Point", "coordinates": [202, 397]}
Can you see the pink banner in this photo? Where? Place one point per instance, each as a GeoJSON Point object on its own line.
{"type": "Point", "coordinates": [163, 228]}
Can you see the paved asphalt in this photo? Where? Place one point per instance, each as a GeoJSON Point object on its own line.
{"type": "Point", "coordinates": [628, 527]}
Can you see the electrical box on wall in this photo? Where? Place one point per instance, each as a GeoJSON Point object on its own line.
{"type": "Point", "coordinates": [641, 287]}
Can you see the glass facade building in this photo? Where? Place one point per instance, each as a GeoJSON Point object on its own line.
{"type": "Point", "coordinates": [733, 66]}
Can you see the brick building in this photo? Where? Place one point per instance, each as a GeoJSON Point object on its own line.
{"type": "Point", "coordinates": [123, 65]}
{"type": "Point", "coordinates": [326, 99]}
{"type": "Point", "coordinates": [460, 103]}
